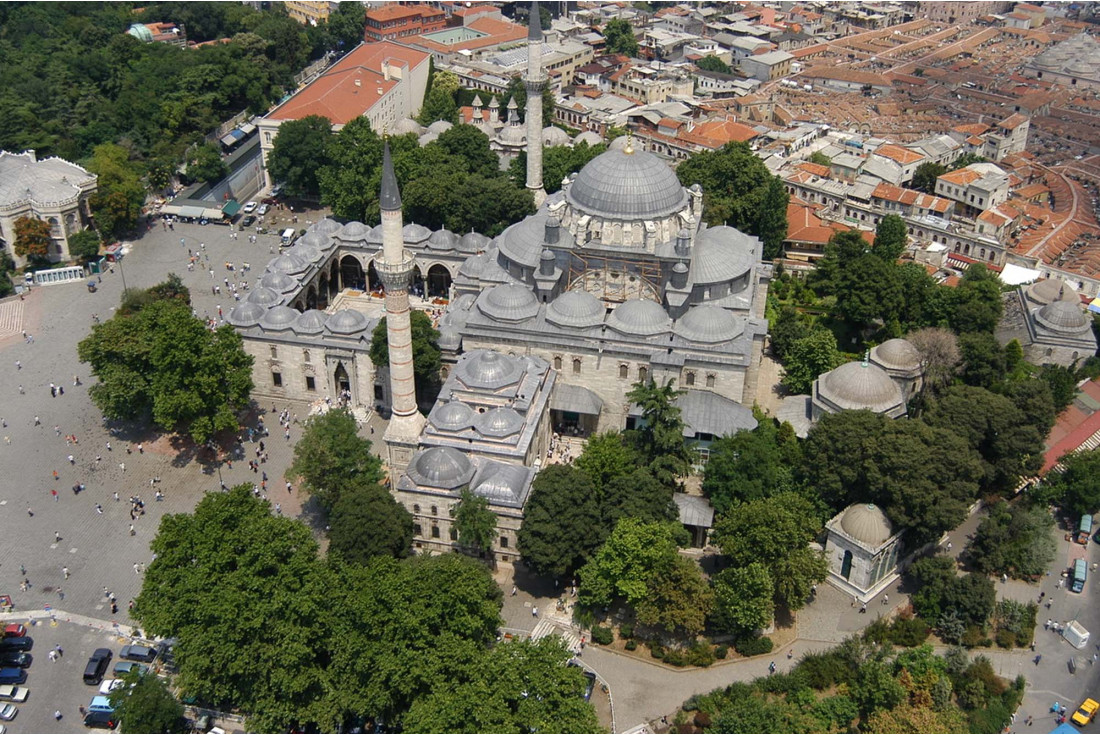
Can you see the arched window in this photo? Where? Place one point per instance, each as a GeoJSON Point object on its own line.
{"type": "Point", "coordinates": [643, 373]}
{"type": "Point", "coordinates": [435, 531]}
{"type": "Point", "coordinates": [416, 508]}
{"type": "Point", "coordinates": [710, 380]}
{"type": "Point", "coordinates": [305, 356]}
{"type": "Point", "coordinates": [557, 362]}
{"type": "Point", "coordinates": [435, 511]}
{"type": "Point", "coordinates": [274, 351]}
{"type": "Point", "coordinates": [576, 366]}
{"type": "Point", "coordinates": [623, 371]}
{"type": "Point", "coordinates": [689, 379]}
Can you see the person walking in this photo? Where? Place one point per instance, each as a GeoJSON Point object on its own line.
{"type": "Point", "coordinates": [65, 572]}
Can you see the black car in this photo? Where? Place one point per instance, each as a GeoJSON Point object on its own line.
{"type": "Point", "coordinates": [23, 643]}
{"type": "Point", "coordinates": [105, 720]}
{"type": "Point", "coordinates": [247, 221]}
{"type": "Point", "coordinates": [22, 659]}
{"type": "Point", "coordinates": [97, 665]}
{"type": "Point", "coordinates": [135, 652]}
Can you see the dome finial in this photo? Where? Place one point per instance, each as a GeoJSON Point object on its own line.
{"type": "Point", "coordinates": [628, 149]}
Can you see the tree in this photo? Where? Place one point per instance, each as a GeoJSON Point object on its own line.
{"type": "Point", "coordinates": [868, 291]}
{"type": "Point", "coordinates": [352, 179]}
{"type": "Point", "coordinates": [331, 457]}
{"type": "Point", "coordinates": [924, 178]}
{"type": "Point", "coordinates": [775, 532]}
{"type": "Point", "coordinates": [637, 494]}
{"type": "Point", "coordinates": [558, 162]}
{"type": "Point", "coordinates": [32, 237]}
{"type": "Point", "coordinates": [788, 327]}
{"type": "Point", "coordinates": [891, 238]}
{"type": "Point", "coordinates": [165, 361]}
{"type": "Point", "coordinates": [561, 525]}
{"type": "Point", "coordinates": [469, 145]}
{"type": "Point", "coordinates": [809, 357]}
{"type": "Point", "coordinates": [940, 356]}
{"type": "Point", "coordinates": [619, 38]}
{"type": "Point", "coordinates": [426, 355]}
{"type": "Point", "coordinates": [1078, 485]}
{"type": "Point", "coordinates": [605, 457]}
{"type": "Point", "coordinates": [119, 196]}
{"type": "Point", "coordinates": [146, 705]}
{"type": "Point", "coordinates": [660, 437]}
{"type": "Point", "coordinates": [751, 465]}
{"type": "Point", "coordinates": [83, 245]}
{"type": "Point", "coordinates": [678, 598]}
{"type": "Point", "coordinates": [713, 63]}
{"type": "Point", "coordinates": [771, 219]}
{"type": "Point", "coordinates": [984, 362]}
{"type": "Point", "coordinates": [1016, 540]}
{"type": "Point", "coordinates": [967, 159]}
{"type": "Point", "coordinates": [475, 523]}
{"type": "Point", "coordinates": [346, 25]}
{"type": "Point", "coordinates": [1062, 382]}
{"type": "Point", "coordinates": [820, 159]}
{"type": "Point", "coordinates": [298, 153]}
{"type": "Point", "coordinates": [366, 521]}
{"type": "Point", "coordinates": [624, 567]}
{"type": "Point", "coordinates": [978, 304]}
{"type": "Point", "coordinates": [204, 163]}
{"type": "Point", "coordinates": [438, 105]}
{"type": "Point", "coordinates": [743, 599]}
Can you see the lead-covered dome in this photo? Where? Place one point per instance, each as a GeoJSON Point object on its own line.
{"type": "Point", "coordinates": [414, 233]}
{"type": "Point", "coordinates": [1063, 317]}
{"type": "Point", "coordinates": [856, 386]}
{"type": "Point", "coordinates": [245, 315]}
{"type": "Point", "coordinates": [346, 321]}
{"type": "Point", "coordinates": [287, 263]}
{"type": "Point", "coordinates": [279, 282]}
{"type": "Point", "coordinates": [722, 254]}
{"type": "Point", "coordinates": [473, 242]}
{"type": "Point", "coordinates": [278, 318]}
{"type": "Point", "coordinates": [264, 297]}
{"type": "Point", "coordinates": [576, 309]}
{"type": "Point", "coordinates": [352, 232]}
{"type": "Point", "coordinates": [315, 239]}
{"type": "Point", "coordinates": [452, 416]}
{"type": "Point", "coordinates": [312, 321]}
{"type": "Point", "coordinates": [639, 317]}
{"type": "Point", "coordinates": [1052, 289]}
{"type": "Point", "coordinates": [327, 226]}
{"type": "Point", "coordinates": [441, 467]}
{"type": "Point", "coordinates": [627, 184]}
{"type": "Point", "coordinates": [509, 302]}
{"type": "Point", "coordinates": [709, 325]}
{"type": "Point", "coordinates": [443, 240]}
{"type": "Point", "coordinates": [897, 353]}
{"type": "Point", "coordinates": [867, 524]}
{"type": "Point", "coordinates": [499, 422]}
{"type": "Point", "coordinates": [488, 369]}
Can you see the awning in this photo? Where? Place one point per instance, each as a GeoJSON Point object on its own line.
{"type": "Point", "coordinates": [212, 213]}
{"type": "Point", "coordinates": [232, 138]}
{"type": "Point", "coordinates": [192, 212]}
{"type": "Point", "coordinates": [170, 209]}
{"type": "Point", "coordinates": [231, 208]}
{"type": "Point", "coordinates": [247, 129]}
{"type": "Point", "coordinates": [575, 399]}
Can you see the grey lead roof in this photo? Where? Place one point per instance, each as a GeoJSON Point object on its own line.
{"type": "Point", "coordinates": [632, 186]}
{"type": "Point", "coordinates": [705, 412]}
{"type": "Point", "coordinates": [576, 399]}
{"type": "Point", "coordinates": [441, 467]}
{"type": "Point", "coordinates": [390, 198]}
{"type": "Point", "coordinates": [694, 511]}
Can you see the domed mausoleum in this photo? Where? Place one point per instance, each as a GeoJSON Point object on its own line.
{"type": "Point", "coordinates": [857, 386]}
{"type": "Point", "coordinates": [862, 549]}
{"type": "Point", "coordinates": [1049, 322]}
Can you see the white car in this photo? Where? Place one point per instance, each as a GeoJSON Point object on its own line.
{"type": "Point", "coordinates": [8, 712]}
{"type": "Point", "coordinates": [109, 685]}
{"type": "Point", "coordinates": [12, 693]}
{"type": "Point", "coordinates": [250, 207]}
{"type": "Point", "coordinates": [262, 210]}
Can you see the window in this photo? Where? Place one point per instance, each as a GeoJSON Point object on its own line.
{"type": "Point", "coordinates": [623, 371]}
{"type": "Point", "coordinates": [689, 379]}
{"type": "Point", "coordinates": [277, 380]}
{"type": "Point", "coordinates": [417, 530]}
{"type": "Point", "coordinates": [504, 542]}
{"type": "Point", "coordinates": [311, 383]}
{"type": "Point", "coordinates": [643, 373]}
{"type": "Point", "coordinates": [435, 511]}
{"type": "Point", "coordinates": [416, 508]}
{"type": "Point", "coordinates": [435, 531]}
{"type": "Point", "coordinates": [576, 366]}
{"type": "Point", "coordinates": [710, 380]}
{"type": "Point", "coordinates": [557, 362]}
{"type": "Point", "coordinates": [274, 351]}
{"type": "Point", "coordinates": [454, 534]}
{"type": "Point", "coordinates": [305, 356]}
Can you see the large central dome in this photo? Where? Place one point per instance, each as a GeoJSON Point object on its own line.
{"type": "Point", "coordinates": [627, 184]}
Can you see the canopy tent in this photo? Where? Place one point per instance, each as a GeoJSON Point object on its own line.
{"type": "Point", "coordinates": [231, 208]}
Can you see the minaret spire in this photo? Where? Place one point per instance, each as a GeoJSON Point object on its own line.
{"type": "Point", "coordinates": [534, 82]}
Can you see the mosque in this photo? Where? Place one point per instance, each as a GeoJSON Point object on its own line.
{"type": "Point", "coordinates": [545, 328]}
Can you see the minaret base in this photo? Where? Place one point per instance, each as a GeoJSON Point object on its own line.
{"type": "Point", "coordinates": [540, 196]}
{"type": "Point", "coordinates": [402, 437]}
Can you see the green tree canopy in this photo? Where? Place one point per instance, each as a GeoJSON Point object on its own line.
{"type": "Point", "coordinates": [366, 521]}
{"type": "Point", "coordinates": [619, 38]}
{"type": "Point", "coordinates": [978, 303]}
{"type": "Point", "coordinates": [751, 465]}
{"type": "Point", "coordinates": [147, 705]}
{"type": "Point", "coordinates": [660, 436]}
{"type": "Point", "coordinates": [561, 525]}
{"type": "Point", "coordinates": [517, 90]}
{"type": "Point", "coordinates": [924, 178]}
{"type": "Point", "coordinates": [427, 359]}
{"type": "Point", "coordinates": [605, 457]}
{"type": "Point", "coordinates": [331, 457]}
{"type": "Point", "coordinates": [475, 523]}
{"type": "Point", "coordinates": [1078, 485]}
{"type": "Point", "coordinates": [626, 565]}
{"type": "Point", "coordinates": [558, 162]}
{"type": "Point", "coordinates": [713, 63]}
{"type": "Point", "coordinates": [891, 238]}
{"type": "Point", "coordinates": [678, 599]}
{"type": "Point", "coordinates": [1017, 540]}
{"type": "Point", "coordinates": [298, 153]}
{"type": "Point", "coordinates": [165, 362]}
{"type": "Point", "coordinates": [204, 163]}
{"type": "Point", "coordinates": [808, 357]}
{"type": "Point", "coordinates": [84, 244]}
{"type": "Point", "coordinates": [743, 599]}
{"type": "Point", "coordinates": [119, 196]}
{"type": "Point", "coordinates": [438, 105]}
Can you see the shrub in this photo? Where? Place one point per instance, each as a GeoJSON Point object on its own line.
{"type": "Point", "coordinates": [1005, 638]}
{"type": "Point", "coordinates": [753, 646]}
{"type": "Point", "coordinates": [675, 657]}
{"type": "Point", "coordinates": [877, 632]}
{"type": "Point", "coordinates": [908, 632]}
{"type": "Point", "coordinates": [721, 652]}
{"type": "Point", "coordinates": [657, 651]}
{"type": "Point", "coordinates": [702, 720]}
{"type": "Point", "coordinates": [700, 654]}
{"type": "Point", "coordinates": [823, 670]}
{"type": "Point", "coordinates": [972, 637]}
{"type": "Point", "coordinates": [602, 635]}
{"type": "Point", "coordinates": [631, 645]}
{"type": "Point", "coordinates": [626, 630]}
{"type": "Point", "coordinates": [691, 703]}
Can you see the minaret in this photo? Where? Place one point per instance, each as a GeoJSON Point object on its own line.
{"type": "Point", "coordinates": [534, 82]}
{"type": "Point", "coordinates": [395, 268]}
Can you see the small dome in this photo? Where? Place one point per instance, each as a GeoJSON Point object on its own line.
{"type": "Point", "coordinates": [867, 524]}
{"type": "Point", "coordinates": [588, 137]}
{"type": "Point", "coordinates": [619, 144]}
{"type": "Point", "coordinates": [488, 369]}
{"type": "Point", "coordinates": [245, 315]}
{"type": "Point", "coordinates": [577, 309]}
{"type": "Point", "coordinates": [473, 242]}
{"type": "Point", "coordinates": [414, 233]}
{"type": "Point", "coordinates": [441, 467]}
{"type": "Point", "coordinates": [1052, 289]}
{"type": "Point", "coordinates": [721, 255]}
{"type": "Point", "coordinates": [279, 318]}
{"type": "Point", "coordinates": [475, 265]}
{"type": "Point", "coordinates": [374, 237]}
{"type": "Point", "coordinates": [327, 226]}
{"type": "Point", "coordinates": [1064, 317]}
{"type": "Point", "coordinates": [443, 240]}
{"type": "Point", "coordinates": [305, 253]}
{"type": "Point", "coordinates": [553, 135]}
{"type": "Point", "coordinates": [427, 138]}
{"type": "Point", "coordinates": [314, 239]}
{"type": "Point", "coordinates": [499, 422]}
{"type": "Point", "coordinates": [352, 232]}
{"type": "Point", "coordinates": [709, 325]}
{"type": "Point", "coordinates": [898, 354]}
{"type": "Point", "coordinates": [509, 302]}
{"type": "Point", "coordinates": [639, 317]}
{"type": "Point", "coordinates": [439, 127]}
{"type": "Point", "coordinates": [504, 484]}
{"type": "Point", "coordinates": [513, 135]}
{"type": "Point", "coordinates": [856, 386]}
{"type": "Point", "coordinates": [264, 297]}
{"type": "Point", "coordinates": [286, 263]}
{"type": "Point", "coordinates": [280, 282]}
{"type": "Point", "coordinates": [452, 416]}
{"type": "Point", "coordinates": [346, 321]}
{"type": "Point", "coordinates": [311, 321]}
{"type": "Point", "coordinates": [630, 185]}
{"type": "Point", "coordinates": [523, 242]}
{"type": "Point", "coordinates": [407, 125]}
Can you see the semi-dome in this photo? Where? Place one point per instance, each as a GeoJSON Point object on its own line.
{"type": "Point", "coordinates": [709, 325]}
{"type": "Point", "coordinates": [439, 127]}
{"type": "Point", "coordinates": [1063, 317]}
{"type": "Point", "coordinates": [286, 263]}
{"type": "Point", "coordinates": [722, 254]}
{"type": "Point", "coordinates": [523, 242]}
{"type": "Point", "coordinates": [443, 240]}
{"type": "Point", "coordinates": [627, 184]}
{"type": "Point", "coordinates": [415, 233]}
{"type": "Point", "coordinates": [867, 524]}
{"type": "Point", "coordinates": [499, 422]}
{"type": "Point", "coordinates": [441, 467]}
{"type": "Point", "coordinates": [346, 321]}
{"type": "Point", "coordinates": [856, 385]}
{"type": "Point", "coordinates": [245, 315]}
{"type": "Point", "coordinates": [588, 137]}
{"type": "Point", "coordinates": [509, 302]}
{"type": "Point", "coordinates": [327, 226]}
{"type": "Point", "coordinates": [488, 369]}
{"type": "Point", "coordinates": [279, 318]}
{"type": "Point", "coordinates": [352, 232]}
{"type": "Point", "coordinates": [1052, 289]}
{"type": "Point", "coordinates": [473, 242]}
{"type": "Point", "coordinates": [311, 321]}
{"type": "Point", "coordinates": [264, 297]}
{"type": "Point", "coordinates": [640, 317]}
{"type": "Point", "coordinates": [427, 138]}
{"type": "Point", "coordinates": [553, 135]}
{"type": "Point", "coordinates": [898, 354]}
{"type": "Point", "coordinates": [451, 416]}
{"type": "Point", "coordinates": [576, 309]}
{"type": "Point", "coordinates": [280, 282]}
{"type": "Point", "coordinates": [407, 125]}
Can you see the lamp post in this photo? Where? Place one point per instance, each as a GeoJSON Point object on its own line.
{"type": "Point", "coordinates": [121, 271]}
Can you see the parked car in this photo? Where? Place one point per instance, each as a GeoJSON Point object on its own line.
{"type": "Point", "coordinates": [122, 668]}
{"type": "Point", "coordinates": [8, 712]}
{"type": "Point", "coordinates": [9, 693]}
{"type": "Point", "coordinates": [1086, 712]}
{"type": "Point", "coordinates": [105, 720]}
{"type": "Point", "coordinates": [15, 630]}
{"type": "Point", "coordinates": [12, 675]}
{"type": "Point", "coordinates": [97, 665]}
{"type": "Point", "coordinates": [22, 659]}
{"type": "Point", "coordinates": [136, 652]}
{"type": "Point", "coordinates": [262, 210]}
{"type": "Point", "coordinates": [109, 685]}
{"type": "Point", "coordinates": [22, 643]}
{"type": "Point", "coordinates": [248, 221]}
{"type": "Point", "coordinates": [250, 208]}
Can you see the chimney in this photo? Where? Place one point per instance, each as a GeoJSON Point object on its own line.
{"type": "Point", "coordinates": [547, 262]}
{"type": "Point", "coordinates": [552, 230]}
{"type": "Point", "coordinates": [683, 243]}
{"type": "Point", "coordinates": [358, 82]}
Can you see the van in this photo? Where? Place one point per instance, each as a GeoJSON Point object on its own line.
{"type": "Point", "coordinates": [97, 665]}
{"type": "Point", "coordinates": [104, 720]}
{"type": "Point", "coordinates": [1084, 529]}
{"type": "Point", "coordinates": [13, 675]}
{"type": "Point", "coordinates": [100, 704]}
{"type": "Point", "coordinates": [1080, 574]}
{"type": "Point", "coordinates": [288, 236]}
{"type": "Point", "coordinates": [135, 652]}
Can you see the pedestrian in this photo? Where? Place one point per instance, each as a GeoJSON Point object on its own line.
{"type": "Point", "coordinates": [22, 571]}
{"type": "Point", "coordinates": [65, 572]}
{"type": "Point", "coordinates": [141, 449]}
{"type": "Point", "coordinates": [886, 599]}
{"type": "Point", "coordinates": [37, 421]}
{"type": "Point", "coordinates": [116, 496]}
{"type": "Point", "coordinates": [122, 465]}
{"type": "Point", "coordinates": [790, 654]}
{"type": "Point", "coordinates": [288, 487]}
{"type": "Point", "coordinates": [108, 446]}
{"type": "Point", "coordinates": [60, 594]}
{"type": "Point", "coordinates": [863, 608]}
{"type": "Point", "coordinates": [52, 656]}
{"type": "Point", "coordinates": [771, 667]}
{"type": "Point", "coordinates": [81, 710]}
{"type": "Point", "coordinates": [1047, 626]}
{"type": "Point", "coordinates": [1029, 720]}
{"type": "Point", "coordinates": [57, 536]}
{"type": "Point", "coordinates": [21, 391]}
{"type": "Point", "coordinates": [137, 569]}
{"type": "Point", "coordinates": [55, 475]}
{"type": "Point", "coordinates": [1004, 578]}
{"type": "Point", "coordinates": [535, 612]}
{"type": "Point", "coordinates": [99, 508]}
{"type": "Point", "coordinates": [514, 590]}
{"type": "Point", "coordinates": [132, 531]}
{"type": "Point", "coordinates": [1038, 658]}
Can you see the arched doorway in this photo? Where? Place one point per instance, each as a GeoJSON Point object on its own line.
{"type": "Point", "coordinates": [311, 297]}
{"type": "Point", "coordinates": [351, 273]}
{"type": "Point", "coordinates": [322, 291]}
{"type": "Point", "coordinates": [439, 281]}
{"type": "Point", "coordinates": [373, 281]}
{"type": "Point", "coordinates": [341, 380]}
{"type": "Point", "coordinates": [334, 280]}
{"type": "Point", "coordinates": [416, 288]}
{"type": "Point", "coordinates": [846, 565]}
